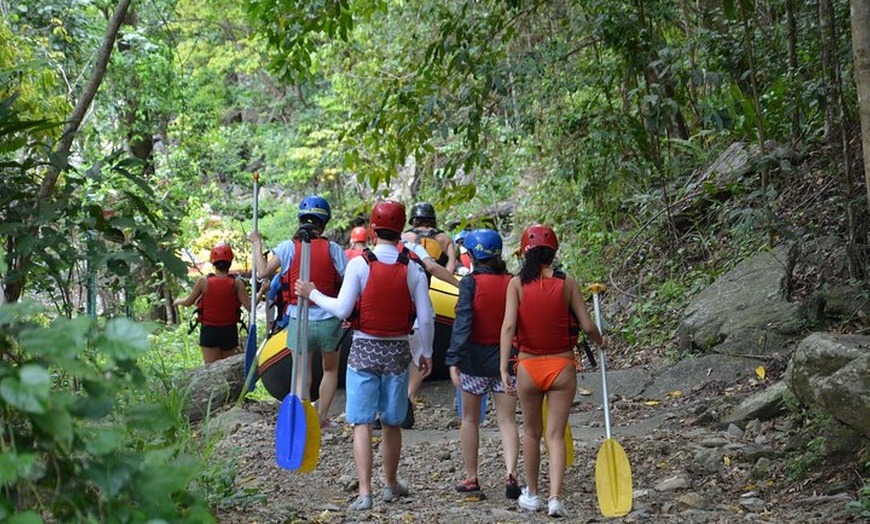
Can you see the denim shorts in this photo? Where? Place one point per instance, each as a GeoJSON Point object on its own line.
{"type": "Point", "coordinates": [370, 394]}
{"type": "Point", "coordinates": [323, 335]}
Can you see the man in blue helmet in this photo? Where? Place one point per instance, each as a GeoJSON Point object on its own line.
{"type": "Point", "coordinates": [328, 263]}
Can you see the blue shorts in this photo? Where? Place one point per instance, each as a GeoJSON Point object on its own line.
{"type": "Point", "coordinates": [370, 394]}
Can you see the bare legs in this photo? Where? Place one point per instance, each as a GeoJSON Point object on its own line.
{"type": "Point", "coordinates": [391, 449]}
{"type": "Point", "coordinates": [560, 396]}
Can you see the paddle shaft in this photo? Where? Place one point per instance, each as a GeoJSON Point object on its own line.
{"type": "Point", "coordinates": [254, 266]}
{"type": "Point", "coordinates": [302, 312]}
{"type": "Point", "coordinates": [603, 368]}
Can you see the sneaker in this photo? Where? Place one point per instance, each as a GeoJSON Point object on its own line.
{"type": "Point", "coordinates": [392, 493]}
{"type": "Point", "coordinates": [511, 488]}
{"type": "Point", "coordinates": [408, 423]}
{"type": "Point", "coordinates": [363, 502]}
{"type": "Point", "coordinates": [555, 509]}
{"type": "Point", "coordinates": [468, 485]}
{"type": "Point", "coordinates": [528, 501]}
{"type": "Point", "coordinates": [328, 425]}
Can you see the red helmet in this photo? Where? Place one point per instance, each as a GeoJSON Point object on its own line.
{"type": "Point", "coordinates": [358, 234]}
{"type": "Point", "coordinates": [538, 235]}
{"type": "Point", "coordinates": [221, 252]}
{"type": "Point", "coordinates": [388, 214]}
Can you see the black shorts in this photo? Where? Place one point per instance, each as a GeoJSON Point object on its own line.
{"type": "Point", "coordinates": [223, 337]}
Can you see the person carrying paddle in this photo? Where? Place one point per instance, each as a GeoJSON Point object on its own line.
{"type": "Point", "coordinates": [538, 309]}
{"type": "Point", "coordinates": [473, 357]}
{"type": "Point", "coordinates": [220, 298]}
{"type": "Point", "coordinates": [357, 242]}
{"type": "Point", "coordinates": [381, 293]}
{"type": "Point", "coordinates": [328, 263]}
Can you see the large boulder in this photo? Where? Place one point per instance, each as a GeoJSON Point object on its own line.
{"type": "Point", "coordinates": [211, 386]}
{"type": "Point", "coordinates": [832, 372]}
{"type": "Point", "coordinates": [746, 311]}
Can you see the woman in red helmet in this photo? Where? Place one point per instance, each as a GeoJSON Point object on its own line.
{"type": "Point", "coordinates": [538, 309]}
{"type": "Point", "coordinates": [220, 297]}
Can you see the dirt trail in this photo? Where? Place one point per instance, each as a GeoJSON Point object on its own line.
{"type": "Point", "coordinates": [685, 468]}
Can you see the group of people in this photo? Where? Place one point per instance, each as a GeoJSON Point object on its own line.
{"type": "Point", "coordinates": [513, 336]}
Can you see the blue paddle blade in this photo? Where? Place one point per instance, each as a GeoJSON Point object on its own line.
{"type": "Point", "coordinates": [250, 355]}
{"type": "Point", "coordinates": [290, 433]}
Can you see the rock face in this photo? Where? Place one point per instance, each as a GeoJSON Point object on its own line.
{"type": "Point", "coordinates": [746, 311]}
{"type": "Point", "coordinates": [832, 371]}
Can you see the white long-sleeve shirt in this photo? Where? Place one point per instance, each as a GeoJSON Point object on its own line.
{"type": "Point", "coordinates": [355, 278]}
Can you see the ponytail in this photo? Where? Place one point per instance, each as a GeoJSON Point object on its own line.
{"type": "Point", "coordinates": [533, 262]}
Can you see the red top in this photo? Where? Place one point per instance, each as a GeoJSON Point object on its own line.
{"type": "Point", "coordinates": [490, 292]}
{"type": "Point", "coordinates": [385, 308]}
{"type": "Point", "coordinates": [220, 304]}
{"type": "Point", "coordinates": [545, 325]}
{"type": "Point", "coordinates": [323, 272]}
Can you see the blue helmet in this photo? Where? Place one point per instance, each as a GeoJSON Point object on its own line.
{"type": "Point", "coordinates": [459, 238]}
{"type": "Point", "coordinates": [315, 206]}
{"type": "Point", "coordinates": [484, 243]}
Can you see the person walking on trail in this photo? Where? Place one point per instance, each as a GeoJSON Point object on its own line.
{"type": "Point", "coordinates": [328, 263]}
{"type": "Point", "coordinates": [440, 248]}
{"type": "Point", "coordinates": [380, 294]}
{"type": "Point", "coordinates": [220, 298]}
{"type": "Point", "coordinates": [357, 242]}
{"type": "Point", "coordinates": [538, 312]}
{"type": "Point", "coordinates": [424, 231]}
{"type": "Point", "coordinates": [473, 357]}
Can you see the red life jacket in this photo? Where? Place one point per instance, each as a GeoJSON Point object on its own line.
{"type": "Point", "coordinates": [545, 325]}
{"type": "Point", "coordinates": [323, 272]}
{"type": "Point", "coordinates": [490, 292]}
{"type": "Point", "coordinates": [219, 305]}
{"type": "Point", "coordinates": [353, 252]}
{"type": "Point", "coordinates": [385, 308]}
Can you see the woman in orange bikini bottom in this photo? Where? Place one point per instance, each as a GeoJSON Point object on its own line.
{"type": "Point", "coordinates": [544, 370]}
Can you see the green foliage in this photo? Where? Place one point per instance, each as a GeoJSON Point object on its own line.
{"type": "Point", "coordinates": [860, 508]}
{"type": "Point", "coordinates": [77, 443]}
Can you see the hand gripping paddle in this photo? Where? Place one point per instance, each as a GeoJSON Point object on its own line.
{"type": "Point", "coordinates": [612, 469]}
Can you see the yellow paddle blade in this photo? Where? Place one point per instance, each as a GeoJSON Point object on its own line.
{"type": "Point", "coordinates": [613, 480]}
{"type": "Point", "coordinates": [569, 438]}
{"type": "Point", "coordinates": [312, 439]}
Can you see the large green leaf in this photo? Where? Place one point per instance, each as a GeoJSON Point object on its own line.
{"type": "Point", "coordinates": [104, 440]}
{"type": "Point", "coordinates": [123, 339]}
{"type": "Point", "coordinates": [28, 517]}
{"type": "Point", "coordinates": [62, 340]}
{"type": "Point", "coordinates": [15, 466]}
{"type": "Point", "coordinates": [29, 390]}
{"type": "Point", "coordinates": [110, 475]}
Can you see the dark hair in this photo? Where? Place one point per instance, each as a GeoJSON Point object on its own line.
{"type": "Point", "coordinates": [534, 260]}
{"type": "Point", "coordinates": [387, 234]}
{"type": "Point", "coordinates": [496, 264]}
{"type": "Point", "coordinates": [222, 265]}
{"type": "Point", "coordinates": [423, 221]}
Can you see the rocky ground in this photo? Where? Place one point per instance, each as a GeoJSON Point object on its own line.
{"type": "Point", "coordinates": [686, 466]}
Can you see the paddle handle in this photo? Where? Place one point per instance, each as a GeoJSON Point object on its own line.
{"type": "Point", "coordinates": [602, 360]}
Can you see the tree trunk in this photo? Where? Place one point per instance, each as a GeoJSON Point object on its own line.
{"type": "Point", "coordinates": [12, 291]}
{"type": "Point", "coordinates": [87, 96]}
{"type": "Point", "coordinates": [861, 46]}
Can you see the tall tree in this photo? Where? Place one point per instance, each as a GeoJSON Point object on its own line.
{"type": "Point", "coordinates": [861, 46]}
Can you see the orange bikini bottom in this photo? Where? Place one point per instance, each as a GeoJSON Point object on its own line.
{"type": "Point", "coordinates": [544, 370]}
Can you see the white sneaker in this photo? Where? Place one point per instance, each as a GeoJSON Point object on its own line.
{"type": "Point", "coordinates": [555, 509]}
{"type": "Point", "coordinates": [528, 501]}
